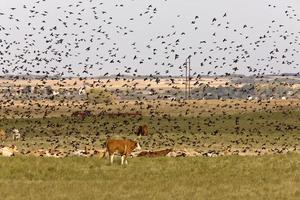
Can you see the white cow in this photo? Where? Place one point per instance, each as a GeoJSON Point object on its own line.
{"type": "Point", "coordinates": [8, 151]}
{"type": "Point", "coordinates": [16, 135]}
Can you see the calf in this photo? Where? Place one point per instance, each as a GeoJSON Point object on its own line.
{"type": "Point", "coordinates": [2, 135]}
{"type": "Point", "coordinates": [123, 147]}
{"type": "Point", "coordinates": [142, 130]}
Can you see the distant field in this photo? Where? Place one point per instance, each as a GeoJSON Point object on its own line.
{"type": "Point", "coordinates": [235, 178]}
{"type": "Point", "coordinates": [138, 83]}
{"type": "Point", "coordinates": [192, 108]}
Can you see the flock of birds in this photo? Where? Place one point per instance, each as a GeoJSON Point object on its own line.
{"type": "Point", "coordinates": [48, 43]}
{"type": "Point", "coordinates": [38, 44]}
{"type": "Point", "coordinates": [196, 129]}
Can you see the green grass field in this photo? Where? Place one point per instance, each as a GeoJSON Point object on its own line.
{"type": "Point", "coordinates": [233, 177]}
{"type": "Point", "coordinates": [203, 125]}
{"type": "Point", "coordinates": [253, 130]}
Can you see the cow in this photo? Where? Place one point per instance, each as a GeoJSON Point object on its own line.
{"type": "Point", "coordinates": [16, 135]}
{"type": "Point", "coordinates": [124, 147]}
{"type": "Point", "coordinates": [120, 114]}
{"type": "Point", "coordinates": [153, 154]}
{"type": "Point", "coordinates": [9, 151]}
{"type": "Point", "coordinates": [142, 130]}
{"type": "Point", "coordinates": [2, 135]}
{"type": "Point", "coordinates": [82, 114]}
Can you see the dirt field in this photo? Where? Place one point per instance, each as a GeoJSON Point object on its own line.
{"type": "Point", "coordinates": [138, 83]}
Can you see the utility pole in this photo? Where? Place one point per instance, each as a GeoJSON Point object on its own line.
{"type": "Point", "coordinates": [186, 82]}
{"type": "Point", "coordinates": [187, 66]}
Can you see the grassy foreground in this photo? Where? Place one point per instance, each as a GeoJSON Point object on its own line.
{"type": "Point", "coordinates": [233, 177]}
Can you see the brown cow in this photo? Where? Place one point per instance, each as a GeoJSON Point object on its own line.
{"type": "Point", "coordinates": [154, 153]}
{"type": "Point", "coordinates": [143, 130]}
{"type": "Point", "coordinates": [119, 114]}
{"type": "Point", "coordinates": [123, 147]}
{"type": "Point", "coordinates": [2, 135]}
{"type": "Point", "coordinates": [82, 114]}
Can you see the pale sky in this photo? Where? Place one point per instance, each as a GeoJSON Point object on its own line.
{"type": "Point", "coordinates": [100, 36]}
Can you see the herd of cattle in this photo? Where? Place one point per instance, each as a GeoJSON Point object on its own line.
{"type": "Point", "coordinates": [122, 147]}
{"type": "Point", "coordinates": [15, 134]}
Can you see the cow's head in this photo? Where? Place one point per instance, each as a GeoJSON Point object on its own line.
{"type": "Point", "coordinates": [137, 146]}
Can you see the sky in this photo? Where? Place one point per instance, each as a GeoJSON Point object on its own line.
{"type": "Point", "coordinates": [143, 37]}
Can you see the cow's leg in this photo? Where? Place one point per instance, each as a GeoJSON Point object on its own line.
{"type": "Point", "coordinates": [111, 158]}
{"type": "Point", "coordinates": [122, 159]}
{"type": "Point", "coordinates": [125, 158]}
